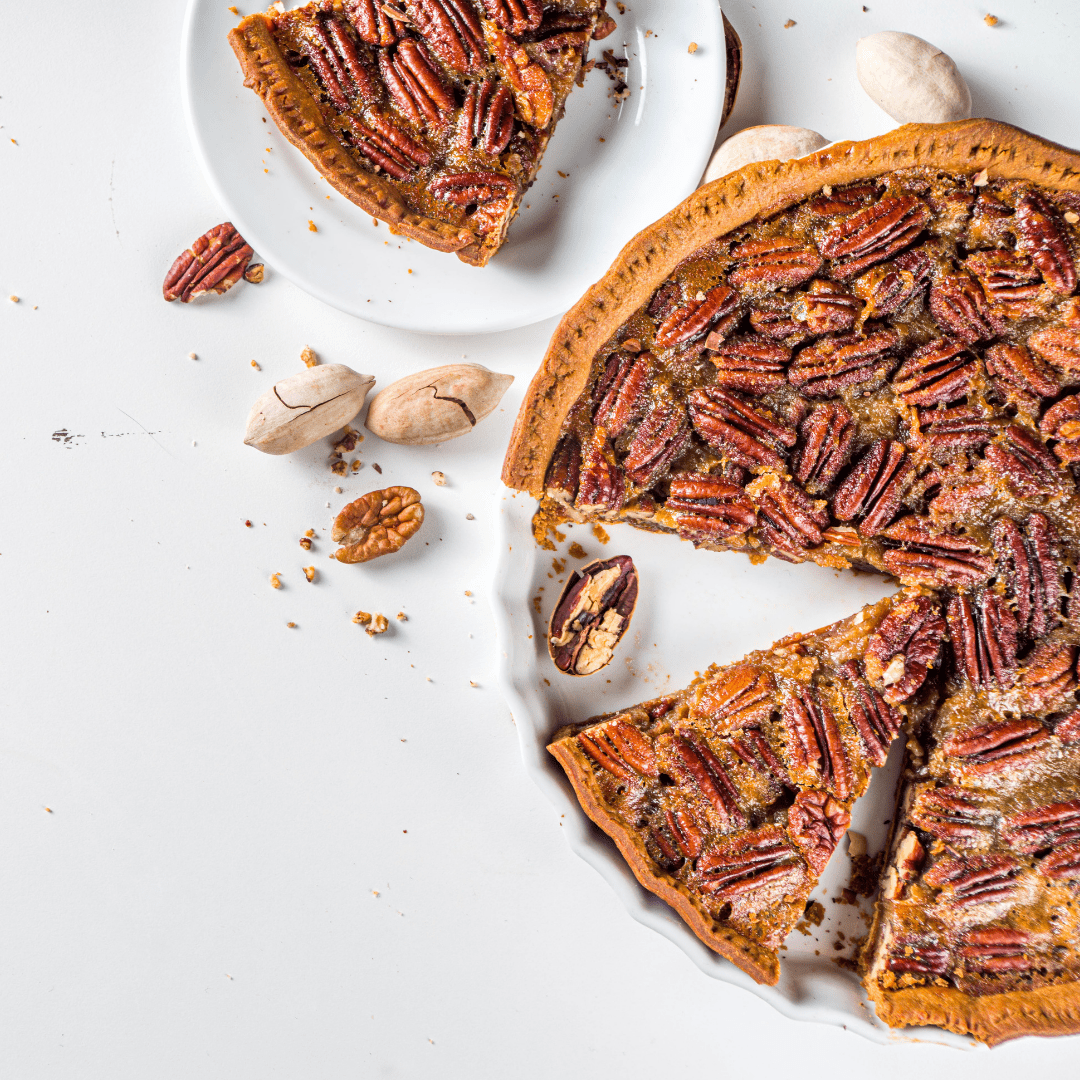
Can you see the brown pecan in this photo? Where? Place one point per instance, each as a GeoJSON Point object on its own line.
{"type": "Point", "coordinates": [601, 483]}
{"type": "Point", "coordinates": [336, 63]}
{"type": "Point", "coordinates": [1047, 677]}
{"type": "Point", "coordinates": [415, 84]}
{"type": "Point", "coordinates": [686, 830]}
{"type": "Point", "coordinates": [791, 522]}
{"type": "Point", "coordinates": [962, 427]}
{"type": "Point", "coordinates": [826, 308]}
{"type": "Point", "coordinates": [663, 848]}
{"type": "Point", "coordinates": [561, 481]}
{"type": "Point", "coordinates": [1067, 729]}
{"type": "Point", "coordinates": [516, 17]}
{"type": "Point", "coordinates": [1029, 563]}
{"type": "Point", "coordinates": [1015, 371]}
{"type": "Point", "coordinates": [708, 508]}
{"type": "Point", "coordinates": [842, 200]}
{"type": "Point", "coordinates": [753, 748]}
{"type": "Point", "coordinates": [975, 879]}
{"type": "Point", "coordinates": [704, 770]}
{"type": "Point", "coordinates": [749, 862]}
{"type": "Point", "coordinates": [907, 863]}
{"type": "Point", "coordinates": [592, 615]}
{"type": "Point", "coordinates": [533, 94]}
{"type": "Point", "coordinates": [991, 221]}
{"type": "Point", "coordinates": [873, 235]}
{"type": "Point", "coordinates": [814, 741]}
{"type": "Point", "coordinates": [953, 814]}
{"type": "Point", "coordinates": [827, 434]}
{"type": "Point", "coordinates": [1061, 423]}
{"type": "Point", "coordinates": [661, 439]}
{"type": "Point", "coordinates": [959, 306]}
{"type": "Point", "coordinates": [997, 745]}
{"type": "Point", "coordinates": [935, 373]}
{"type": "Point", "coordinates": [695, 315]}
{"type": "Point", "coordinates": [1040, 234]}
{"type": "Point", "coordinates": [734, 699]}
{"type": "Point", "coordinates": [452, 30]}
{"type": "Point", "coordinates": [983, 634]}
{"type": "Point", "coordinates": [664, 301]}
{"type": "Point", "coordinates": [876, 721]}
{"type": "Point", "coordinates": [214, 263]}
{"type": "Point", "coordinates": [386, 145]}
{"type": "Point", "coordinates": [1063, 864]}
{"type": "Point", "coordinates": [875, 487]}
{"type": "Point", "coordinates": [911, 957]}
{"type": "Point", "coordinates": [887, 288]}
{"type": "Point", "coordinates": [992, 950]}
{"type": "Point", "coordinates": [775, 322]}
{"type": "Point", "coordinates": [748, 436]}
{"type": "Point", "coordinates": [487, 118]}
{"type": "Point", "coordinates": [1042, 827]}
{"type": "Point", "coordinates": [620, 748]}
{"type": "Point", "coordinates": [370, 21]}
{"type": "Point", "coordinates": [1059, 347]}
{"type": "Point", "coordinates": [929, 556]}
{"type": "Point", "coordinates": [779, 263]}
{"type": "Point", "coordinates": [377, 523]}
{"type": "Point", "coordinates": [621, 391]}
{"type": "Point", "coordinates": [904, 648]}
{"type": "Point", "coordinates": [834, 364]}
{"type": "Point", "coordinates": [1009, 279]}
{"type": "Point", "coordinates": [1024, 461]}
{"type": "Point", "coordinates": [750, 364]}
{"type": "Point", "coordinates": [816, 821]}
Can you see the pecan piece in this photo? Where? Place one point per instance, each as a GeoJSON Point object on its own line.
{"type": "Point", "coordinates": [1028, 562]}
{"type": "Point", "coordinates": [694, 316]}
{"type": "Point", "coordinates": [997, 745]}
{"type": "Point", "coordinates": [516, 17]}
{"type": "Point", "coordinates": [750, 364]}
{"type": "Point", "coordinates": [826, 308]}
{"type": "Point", "coordinates": [953, 814]}
{"type": "Point", "coordinates": [753, 748]}
{"type": "Point", "coordinates": [778, 263]}
{"type": "Point", "coordinates": [905, 646]}
{"type": "Point", "coordinates": [835, 364]}
{"type": "Point", "coordinates": [1042, 827]}
{"type": "Point", "coordinates": [1039, 233]}
{"type": "Point", "coordinates": [371, 23]}
{"type": "Point", "coordinates": [962, 427]}
{"type": "Point", "coordinates": [1067, 729]}
{"type": "Point", "coordinates": [748, 436]}
{"type": "Point", "coordinates": [621, 391]}
{"type": "Point", "coordinates": [983, 635]}
{"type": "Point", "coordinates": [875, 487]}
{"type": "Point", "coordinates": [463, 189]}
{"type": "Point", "coordinates": [708, 508]}
{"type": "Point", "coordinates": [842, 200]}
{"type": "Point", "coordinates": [708, 775]}
{"type": "Point", "coordinates": [1062, 864]}
{"type": "Point", "coordinates": [876, 721]}
{"type": "Point", "coordinates": [992, 950]}
{"type": "Point", "coordinates": [601, 483]}
{"type": "Point", "coordinates": [415, 85]}
{"type": "Point", "coordinates": [975, 879]}
{"type": "Point", "coordinates": [887, 288]}
{"type": "Point", "coordinates": [814, 741]}
{"type": "Point", "coordinates": [452, 30]}
{"type": "Point", "coordinates": [661, 439]}
{"type": "Point", "coordinates": [906, 866]}
{"type": "Point", "coordinates": [1048, 676]}
{"type": "Point", "coordinates": [487, 118]}
{"type": "Point", "coordinates": [1024, 461]}
{"type": "Point", "coordinates": [214, 263]}
{"type": "Point", "coordinates": [533, 95]}
{"type": "Point", "coordinates": [561, 481]}
{"type": "Point", "coordinates": [791, 522]}
{"type": "Point", "coordinates": [592, 615]}
{"type": "Point", "coordinates": [873, 235]}
{"type": "Point", "coordinates": [1059, 347]}
{"type": "Point", "coordinates": [735, 699]}
{"type": "Point", "coordinates": [387, 146]}
{"type": "Point", "coordinates": [929, 556]}
{"type": "Point", "coordinates": [1009, 279]}
{"type": "Point", "coordinates": [827, 435]}
{"type": "Point", "coordinates": [816, 821]}
{"type": "Point", "coordinates": [620, 748]}
{"type": "Point", "coordinates": [1016, 372]}
{"type": "Point", "coordinates": [935, 373]}
{"type": "Point", "coordinates": [751, 862]}
{"type": "Point", "coordinates": [377, 523]}
{"type": "Point", "coordinates": [912, 957]}
{"type": "Point", "coordinates": [1061, 422]}
{"type": "Point", "coordinates": [686, 830]}
{"type": "Point", "coordinates": [664, 301]}
{"type": "Point", "coordinates": [959, 306]}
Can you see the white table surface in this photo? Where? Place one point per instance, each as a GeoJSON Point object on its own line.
{"type": "Point", "coordinates": [286, 853]}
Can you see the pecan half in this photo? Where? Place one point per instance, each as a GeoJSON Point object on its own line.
{"type": "Point", "coordinates": [462, 189]}
{"type": "Point", "coordinates": [452, 30]}
{"type": "Point", "coordinates": [704, 770]}
{"type": "Point", "coordinates": [661, 439]}
{"type": "Point", "coordinates": [905, 646]}
{"type": "Point", "coordinates": [336, 63]}
{"type": "Point", "coordinates": [1009, 279]}
{"type": "Point", "coordinates": [751, 862]}
{"type": "Point", "coordinates": [962, 427]}
{"type": "Point", "coordinates": [875, 487]}
{"type": "Point", "coordinates": [1029, 564]}
{"type": "Point", "coordinates": [751, 364]}
{"type": "Point", "coordinates": [992, 950]}
{"type": "Point", "coordinates": [912, 957]}
{"type": "Point", "coordinates": [386, 145]}
{"type": "Point", "coordinates": [870, 236]}
{"type": "Point", "coordinates": [533, 94]}
{"type": "Point", "coordinates": [997, 745]}
{"type": "Point", "coordinates": [826, 308]}
{"type": "Point", "coordinates": [601, 482]}
{"type": "Point", "coordinates": [1061, 423]}
{"type": "Point", "coordinates": [1024, 461]}
{"type": "Point", "coordinates": [620, 748]}
{"type": "Point", "coordinates": [1015, 371]}
{"type": "Point", "coordinates": [561, 480]}
{"type": "Point", "coordinates": [621, 391]}
{"type": "Point", "coordinates": [906, 865]}
{"type": "Point", "coordinates": [842, 200]}
{"type": "Point", "coordinates": [983, 634]}
{"type": "Point", "coordinates": [827, 434]}
{"type": "Point", "coordinates": [1042, 827]}
{"type": "Point", "coordinates": [835, 364]}
{"type": "Point", "coordinates": [929, 556]}
{"type": "Point", "coordinates": [592, 615]}
{"type": "Point", "coordinates": [887, 288]}
{"type": "Point", "coordinates": [753, 748]}
{"type": "Point", "coordinates": [959, 306]}
{"type": "Point", "coordinates": [735, 699]}
{"type": "Point", "coordinates": [791, 522]}
{"type": "Point", "coordinates": [816, 821]}
{"type": "Point", "coordinates": [876, 721]}
{"type": "Point", "coordinates": [708, 508]}
{"type": "Point", "coordinates": [371, 23]}
{"type": "Point", "coordinates": [694, 316]}
{"type": "Point", "coordinates": [1039, 233]}
{"type": "Point", "coordinates": [377, 523]}
{"type": "Point", "coordinates": [516, 17]}
{"type": "Point", "coordinates": [487, 118]}
{"type": "Point", "coordinates": [1058, 346]}
{"type": "Point", "coordinates": [953, 814]}
{"type": "Point", "coordinates": [975, 879]}
{"type": "Point", "coordinates": [1063, 864]}
{"type": "Point", "coordinates": [415, 84]}
{"type": "Point", "coordinates": [778, 263]}
{"type": "Point", "coordinates": [214, 263]}
{"type": "Point", "coordinates": [1047, 678]}
{"type": "Point", "coordinates": [748, 436]}
{"type": "Point", "coordinates": [935, 373]}
{"type": "Point", "coordinates": [814, 741]}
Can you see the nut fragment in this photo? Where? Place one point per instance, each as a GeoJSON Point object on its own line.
{"type": "Point", "coordinates": [309, 572]}
{"type": "Point", "coordinates": [275, 581]}
{"type": "Point", "coordinates": [377, 523]}
{"type": "Point", "coordinates": [912, 80]}
{"type": "Point", "coordinates": [254, 273]}
{"type": "Point", "coordinates": [362, 618]}
{"type": "Point", "coordinates": [592, 615]}
{"type": "Point", "coordinates": [765, 142]}
{"type": "Point", "coordinates": [378, 626]}
{"type": "Point", "coordinates": [437, 404]}
{"type": "Point", "coordinates": [309, 356]}
{"type": "Point", "coordinates": [301, 409]}
{"type": "Point", "coordinates": [438, 479]}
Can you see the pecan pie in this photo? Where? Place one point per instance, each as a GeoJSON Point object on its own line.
{"type": "Point", "coordinates": [870, 358]}
{"type": "Point", "coordinates": [430, 114]}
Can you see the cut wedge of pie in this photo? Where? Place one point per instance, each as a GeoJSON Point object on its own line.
{"type": "Point", "coordinates": [431, 115]}
{"type": "Point", "coordinates": [869, 358]}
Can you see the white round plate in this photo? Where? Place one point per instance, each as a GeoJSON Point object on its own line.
{"type": "Point", "coordinates": [694, 608]}
{"type": "Point", "coordinates": [655, 147]}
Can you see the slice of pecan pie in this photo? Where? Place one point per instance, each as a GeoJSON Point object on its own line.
{"type": "Point", "coordinates": [728, 798]}
{"type": "Point", "coordinates": [430, 114]}
{"type": "Point", "coordinates": [870, 358]}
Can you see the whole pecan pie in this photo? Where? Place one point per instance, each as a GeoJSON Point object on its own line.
{"type": "Point", "coordinates": [430, 114]}
{"type": "Point", "coordinates": [870, 358]}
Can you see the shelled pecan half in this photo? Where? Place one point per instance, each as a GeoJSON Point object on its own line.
{"type": "Point", "coordinates": [620, 748]}
{"type": "Point", "coordinates": [779, 263]}
{"type": "Point", "coordinates": [992, 950]}
{"type": "Point", "coordinates": [996, 745]}
{"type": "Point", "coordinates": [872, 235]}
{"type": "Point", "coordinates": [876, 721]}
{"type": "Point", "coordinates": [371, 22]}
{"type": "Point", "coordinates": [746, 435]}
{"type": "Point", "coordinates": [486, 121]}
{"type": "Point", "coordinates": [954, 814]}
{"type": "Point", "coordinates": [377, 523]}
{"type": "Point", "coordinates": [707, 507]}
{"type": "Point", "coordinates": [836, 364]}
{"type": "Point", "coordinates": [816, 822]}
{"type": "Point", "coordinates": [756, 861]}
{"type": "Point", "coordinates": [904, 647]}
{"type": "Point", "coordinates": [827, 435]}
{"type": "Point", "coordinates": [1059, 346]}
{"type": "Point", "coordinates": [661, 439]}
{"type": "Point", "coordinates": [975, 879]}
{"type": "Point", "coordinates": [452, 29]}
{"type": "Point", "coordinates": [516, 17]}
{"type": "Point", "coordinates": [735, 699]}
{"type": "Point", "coordinates": [1061, 423]}
{"type": "Point", "coordinates": [791, 522]}
{"type": "Point", "coordinates": [1014, 370]}
{"type": "Point", "coordinates": [814, 741]}
{"type": "Point", "coordinates": [691, 318]}
{"type": "Point", "coordinates": [1042, 827]}
{"type": "Point", "coordinates": [960, 307]}
{"type": "Point", "coordinates": [705, 771]}
{"type": "Point", "coordinates": [935, 373]}
{"type": "Point", "coordinates": [929, 556]}
{"type": "Point", "coordinates": [751, 364]}
{"type": "Point", "coordinates": [983, 635]}
{"type": "Point", "coordinates": [875, 487]}
{"type": "Point", "coordinates": [1022, 458]}
{"type": "Point", "coordinates": [214, 263]}
{"type": "Point", "coordinates": [1029, 563]}
{"type": "Point", "coordinates": [621, 391]}
{"type": "Point", "coordinates": [601, 482]}
{"type": "Point", "coordinates": [415, 85]}
{"type": "Point", "coordinates": [1040, 234]}
{"type": "Point", "coordinates": [826, 308]}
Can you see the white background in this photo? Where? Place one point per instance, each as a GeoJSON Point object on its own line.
{"type": "Point", "coordinates": [227, 794]}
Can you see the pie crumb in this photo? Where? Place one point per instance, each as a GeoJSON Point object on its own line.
{"type": "Point", "coordinates": [991, 20]}
{"type": "Point", "coordinates": [305, 543]}
{"type": "Point", "coordinates": [309, 356]}
{"type": "Point", "coordinates": [577, 551]}
{"type": "Point", "coordinates": [439, 479]}
{"type": "Point", "coordinates": [275, 581]}
{"type": "Point", "coordinates": [310, 534]}
{"type": "Point", "coordinates": [692, 47]}
{"type": "Point", "coordinates": [361, 618]}
{"type": "Point", "coordinates": [789, 24]}
{"type": "Point", "coordinates": [402, 617]}
{"type": "Point", "coordinates": [312, 227]}
{"type": "Point", "coordinates": [13, 298]}
{"type": "Point", "coordinates": [377, 467]}
{"type": "Point", "coordinates": [378, 626]}
{"type": "Point", "coordinates": [255, 365]}
{"type": "Point", "coordinates": [309, 573]}
{"type": "Point", "coordinates": [192, 356]}
{"type": "Point", "coordinates": [470, 517]}
{"type": "Point", "coordinates": [247, 523]}
{"type": "Point", "coordinates": [337, 491]}
{"type": "Point", "coordinates": [291, 625]}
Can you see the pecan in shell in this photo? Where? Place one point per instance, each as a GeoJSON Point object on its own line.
{"type": "Point", "coordinates": [791, 522]}
{"type": "Point", "coordinates": [873, 235]}
{"type": "Point", "coordinates": [1042, 827]}
{"type": "Point", "coordinates": [779, 263]}
{"type": "Point", "coordinates": [876, 721]}
{"type": "Point", "coordinates": [929, 556]}
{"type": "Point", "coordinates": [997, 745]}
{"type": "Point", "coordinates": [1061, 423]}
{"type": "Point", "coordinates": [708, 508]}
{"type": "Point", "coordinates": [835, 364]}
{"type": "Point", "coordinates": [826, 308]}
{"type": "Point", "coordinates": [751, 364]}
{"type": "Point", "coordinates": [746, 435]}
{"type": "Point", "coordinates": [816, 821]}
{"type": "Point", "coordinates": [377, 523]}
{"type": "Point", "coordinates": [875, 487]}
{"type": "Point", "coordinates": [516, 17]}
{"type": "Point", "coordinates": [757, 861]}
{"type": "Point", "coordinates": [214, 263]}
{"type": "Point", "coordinates": [452, 30]}
{"type": "Point", "coordinates": [621, 749]}
{"type": "Point", "coordinates": [827, 435]}
{"type": "Point", "coordinates": [1015, 371]}
{"type": "Point", "coordinates": [694, 316]}
{"type": "Point", "coordinates": [983, 635]}
{"type": "Point", "coordinates": [621, 391]}
{"type": "Point", "coordinates": [814, 741]}
{"type": "Point", "coordinates": [705, 771]}
{"type": "Point", "coordinates": [414, 84]}
{"type": "Point", "coordinates": [953, 814]}
{"type": "Point", "coordinates": [1029, 563]}
{"type": "Point", "coordinates": [1023, 460]}
{"type": "Point", "coordinates": [662, 438]}
{"type": "Point", "coordinates": [937, 372]}
{"type": "Point", "coordinates": [1040, 234]}
{"type": "Point", "coordinates": [959, 306]}
{"type": "Point", "coordinates": [904, 647]}
{"type": "Point", "coordinates": [486, 121]}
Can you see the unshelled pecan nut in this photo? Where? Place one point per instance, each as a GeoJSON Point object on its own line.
{"type": "Point", "coordinates": [214, 263]}
{"type": "Point", "coordinates": [377, 523]}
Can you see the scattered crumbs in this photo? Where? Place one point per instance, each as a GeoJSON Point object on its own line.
{"type": "Point", "coordinates": [468, 592]}
{"type": "Point", "coordinates": [562, 174]}
{"type": "Point", "coordinates": [536, 604]}
{"type": "Point", "coordinates": [247, 524]}
{"type": "Point", "coordinates": [310, 534]}
{"type": "Point", "coordinates": [275, 581]}
{"type": "Point", "coordinates": [1071, 216]}
{"type": "Point", "coordinates": [291, 625]}
{"type": "Point", "coordinates": [789, 24]}
{"type": "Point", "coordinates": [991, 20]}
{"type": "Point", "coordinates": [192, 356]}
{"type": "Point", "coordinates": [602, 139]}
{"type": "Point", "coordinates": [577, 551]}
{"type": "Point", "coordinates": [402, 617]}
{"type": "Point", "coordinates": [558, 565]}
{"type": "Point", "coordinates": [600, 533]}
{"type": "Point", "coordinates": [427, 678]}
{"type": "Point", "coordinates": [471, 683]}
{"type": "Point", "coordinates": [621, 7]}
{"type": "Point", "coordinates": [235, 12]}
{"type": "Point", "coordinates": [312, 227]}
{"type": "Point", "coordinates": [255, 365]}
{"type": "Point", "coordinates": [692, 47]}
{"type": "Point", "coordinates": [379, 625]}
{"type": "Point", "coordinates": [13, 298]}
{"type": "Point", "coordinates": [362, 618]}
{"type": "Point", "coordinates": [305, 543]}
{"type": "Point", "coordinates": [432, 1041]}
{"type": "Point", "coordinates": [375, 892]}
{"type": "Point", "coordinates": [377, 467]}
{"type": "Point", "coordinates": [470, 517]}
{"type": "Point", "coordinates": [438, 479]}
{"type": "Point", "coordinates": [338, 490]}
{"type": "Point", "coordinates": [309, 573]}
{"type": "Point", "coordinates": [981, 178]}
{"type": "Point", "coordinates": [48, 809]}
{"type": "Point", "coordinates": [375, 222]}
{"type": "Point", "coordinates": [309, 356]}
{"type": "Point", "coordinates": [814, 912]}
{"type": "Point", "coordinates": [410, 271]}
{"type": "Point", "coordinates": [357, 464]}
